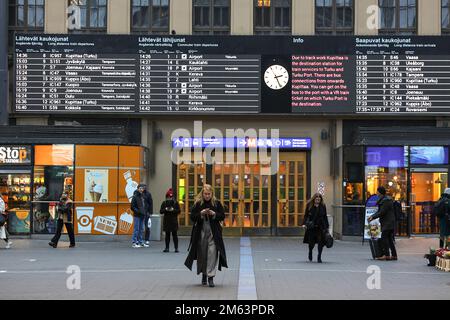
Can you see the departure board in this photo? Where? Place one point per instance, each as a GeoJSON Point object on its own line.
{"type": "Point", "coordinates": [339, 75]}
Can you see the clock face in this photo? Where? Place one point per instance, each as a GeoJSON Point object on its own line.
{"type": "Point", "coordinates": [276, 77]}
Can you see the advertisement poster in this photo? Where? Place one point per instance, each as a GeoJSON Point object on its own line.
{"type": "Point", "coordinates": [372, 230]}
{"type": "Point", "coordinates": [96, 185]}
{"type": "Point", "coordinates": [84, 219]}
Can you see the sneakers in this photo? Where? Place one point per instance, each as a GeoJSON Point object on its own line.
{"type": "Point", "coordinates": [382, 258]}
{"type": "Point", "coordinates": [145, 245]}
{"type": "Point", "coordinates": [136, 245]}
{"type": "Point", "coordinates": [8, 245]}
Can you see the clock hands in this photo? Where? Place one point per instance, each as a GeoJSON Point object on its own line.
{"type": "Point", "coordinates": [276, 77]}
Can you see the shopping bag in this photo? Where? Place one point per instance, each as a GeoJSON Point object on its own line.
{"type": "Point", "coordinates": [3, 232]}
{"type": "Point", "coordinates": [149, 223]}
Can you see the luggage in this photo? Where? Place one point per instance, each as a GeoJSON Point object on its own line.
{"type": "Point", "coordinates": [376, 247]}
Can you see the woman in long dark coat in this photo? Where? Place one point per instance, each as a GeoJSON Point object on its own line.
{"type": "Point", "coordinates": [170, 209]}
{"type": "Point", "coordinates": [206, 244]}
{"type": "Point", "coordinates": [316, 223]}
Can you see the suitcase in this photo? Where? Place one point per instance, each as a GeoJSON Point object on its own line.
{"type": "Point", "coordinates": [376, 248]}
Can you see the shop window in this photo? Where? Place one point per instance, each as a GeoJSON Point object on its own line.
{"type": "Point", "coordinates": [93, 15]}
{"type": "Point", "coordinates": [353, 175]}
{"type": "Point", "coordinates": [334, 17]}
{"type": "Point", "coordinates": [387, 167]}
{"type": "Point", "coordinates": [273, 17]}
{"type": "Point", "coordinates": [398, 17]}
{"type": "Point", "coordinates": [53, 174]}
{"type": "Point", "coordinates": [211, 17]}
{"type": "Point", "coordinates": [445, 15]}
{"type": "Point", "coordinates": [15, 191]}
{"type": "Point", "coordinates": [150, 16]}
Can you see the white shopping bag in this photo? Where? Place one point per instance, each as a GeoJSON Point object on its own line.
{"type": "Point", "coordinates": [3, 232]}
{"type": "Point", "coordinates": [149, 224]}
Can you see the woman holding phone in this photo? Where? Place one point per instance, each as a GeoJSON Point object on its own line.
{"type": "Point", "coordinates": [206, 244]}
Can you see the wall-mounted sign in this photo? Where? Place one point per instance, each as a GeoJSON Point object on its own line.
{"type": "Point", "coordinates": [281, 143]}
{"type": "Point", "coordinates": [15, 154]}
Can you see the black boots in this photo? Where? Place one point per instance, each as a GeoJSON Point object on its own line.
{"type": "Point", "coordinates": [310, 255]}
{"type": "Point", "coordinates": [204, 280]}
{"type": "Point", "coordinates": [211, 282]}
{"type": "Point", "coordinates": [166, 250]}
{"type": "Point", "coordinates": [52, 244]}
{"type": "Point", "coordinates": [319, 259]}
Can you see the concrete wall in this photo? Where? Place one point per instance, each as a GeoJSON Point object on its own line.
{"type": "Point", "coordinates": [119, 16]}
{"type": "Point", "coordinates": [241, 17]}
{"type": "Point", "coordinates": [181, 16]}
{"type": "Point", "coordinates": [303, 17]}
{"type": "Point", "coordinates": [320, 155]}
{"type": "Point", "coordinates": [429, 13]}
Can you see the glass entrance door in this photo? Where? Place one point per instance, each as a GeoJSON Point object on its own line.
{"type": "Point", "coordinates": [16, 192]}
{"type": "Point", "coordinates": [426, 189]}
{"type": "Point", "coordinates": [291, 191]}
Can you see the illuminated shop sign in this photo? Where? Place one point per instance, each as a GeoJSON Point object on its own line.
{"type": "Point", "coordinates": [15, 154]}
{"type": "Point", "coordinates": [282, 143]}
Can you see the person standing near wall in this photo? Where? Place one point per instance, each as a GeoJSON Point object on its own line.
{"type": "Point", "coordinates": [316, 223]}
{"type": "Point", "coordinates": [64, 218]}
{"type": "Point", "coordinates": [142, 207]}
{"type": "Point", "coordinates": [207, 246]}
{"type": "Point", "coordinates": [387, 220]}
{"type": "Point", "coordinates": [170, 209]}
{"type": "Point", "coordinates": [442, 208]}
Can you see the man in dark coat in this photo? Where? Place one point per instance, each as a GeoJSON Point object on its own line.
{"type": "Point", "coordinates": [386, 215]}
{"type": "Point", "coordinates": [206, 213]}
{"type": "Point", "coordinates": [142, 207]}
{"type": "Point", "coordinates": [443, 214]}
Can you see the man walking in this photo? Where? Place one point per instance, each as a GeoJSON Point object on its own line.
{"type": "Point", "coordinates": [387, 220]}
{"type": "Point", "coordinates": [142, 207]}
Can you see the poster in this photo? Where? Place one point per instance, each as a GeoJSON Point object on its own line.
{"type": "Point", "coordinates": [373, 229]}
{"type": "Point", "coordinates": [105, 224]}
{"type": "Point", "coordinates": [96, 185]}
{"type": "Point", "coordinates": [84, 219]}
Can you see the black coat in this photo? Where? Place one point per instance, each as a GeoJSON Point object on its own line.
{"type": "Point", "coordinates": [385, 213]}
{"type": "Point", "coordinates": [216, 230]}
{"type": "Point", "coordinates": [137, 207]}
{"type": "Point", "coordinates": [170, 223]}
{"type": "Point", "coordinates": [319, 218]}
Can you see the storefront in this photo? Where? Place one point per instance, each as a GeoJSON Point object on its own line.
{"type": "Point", "coordinates": [414, 174]}
{"type": "Point", "coordinates": [99, 178]}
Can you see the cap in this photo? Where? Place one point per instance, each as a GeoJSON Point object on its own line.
{"type": "Point", "coordinates": [169, 193]}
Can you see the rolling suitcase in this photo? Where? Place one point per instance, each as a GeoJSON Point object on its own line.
{"type": "Point", "coordinates": [376, 248]}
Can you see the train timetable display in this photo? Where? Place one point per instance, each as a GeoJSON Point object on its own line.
{"type": "Point", "coordinates": [147, 74]}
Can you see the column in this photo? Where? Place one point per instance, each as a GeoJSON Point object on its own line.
{"type": "Point", "coordinates": [303, 12]}
{"type": "Point", "coordinates": [119, 15]}
{"type": "Point", "coordinates": [429, 17]}
{"type": "Point", "coordinates": [241, 17]}
{"type": "Point", "coordinates": [366, 17]}
{"type": "Point", "coordinates": [181, 16]}
{"type": "Point", "coordinates": [55, 16]}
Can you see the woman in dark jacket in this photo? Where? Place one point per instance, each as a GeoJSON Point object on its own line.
{"type": "Point", "coordinates": [170, 209]}
{"type": "Point", "coordinates": [316, 223]}
{"type": "Point", "coordinates": [64, 217]}
{"type": "Point", "coordinates": [206, 244]}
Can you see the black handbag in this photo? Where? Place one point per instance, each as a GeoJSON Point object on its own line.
{"type": "Point", "coordinates": [309, 224]}
{"type": "Point", "coordinates": [328, 240]}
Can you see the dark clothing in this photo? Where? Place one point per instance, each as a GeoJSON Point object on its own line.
{"type": "Point", "coordinates": [443, 215]}
{"type": "Point", "coordinates": [318, 217]}
{"type": "Point", "coordinates": [387, 238]}
{"type": "Point", "coordinates": [196, 235]}
{"type": "Point", "coordinates": [142, 204]}
{"type": "Point", "coordinates": [59, 226]}
{"type": "Point", "coordinates": [65, 211]}
{"type": "Point", "coordinates": [170, 223]}
{"type": "Point", "coordinates": [385, 213]}
{"type": "Point", "coordinates": [175, 239]}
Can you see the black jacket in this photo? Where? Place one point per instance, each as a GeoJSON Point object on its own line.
{"type": "Point", "coordinates": [216, 230]}
{"type": "Point", "coordinates": [142, 208]}
{"type": "Point", "coordinates": [385, 213]}
{"type": "Point", "coordinates": [65, 211]}
{"type": "Point", "coordinates": [170, 217]}
{"type": "Point", "coordinates": [319, 218]}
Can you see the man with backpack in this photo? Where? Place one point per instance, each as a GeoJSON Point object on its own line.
{"type": "Point", "coordinates": [442, 211]}
{"type": "Point", "coordinates": [387, 220]}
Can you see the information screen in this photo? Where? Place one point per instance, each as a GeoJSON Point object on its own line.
{"type": "Point", "coordinates": [232, 74]}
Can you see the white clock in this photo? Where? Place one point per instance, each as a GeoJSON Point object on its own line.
{"type": "Point", "coordinates": [276, 77]}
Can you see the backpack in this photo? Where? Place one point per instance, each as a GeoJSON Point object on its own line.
{"type": "Point", "coordinates": [398, 211]}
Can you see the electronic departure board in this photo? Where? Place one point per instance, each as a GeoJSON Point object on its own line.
{"type": "Point", "coordinates": [232, 74]}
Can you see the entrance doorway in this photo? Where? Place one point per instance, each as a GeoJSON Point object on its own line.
{"type": "Point", "coordinates": [16, 192]}
{"type": "Point", "coordinates": [426, 189]}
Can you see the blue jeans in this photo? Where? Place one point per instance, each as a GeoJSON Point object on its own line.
{"type": "Point", "coordinates": [137, 230]}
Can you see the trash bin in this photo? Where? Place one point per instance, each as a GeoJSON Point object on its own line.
{"type": "Point", "coordinates": [155, 230]}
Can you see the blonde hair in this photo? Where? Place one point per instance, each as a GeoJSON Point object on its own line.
{"type": "Point", "coordinates": [310, 202]}
{"type": "Point", "coordinates": [199, 197]}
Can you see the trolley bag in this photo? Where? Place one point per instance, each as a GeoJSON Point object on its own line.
{"type": "Point", "coordinates": [376, 248]}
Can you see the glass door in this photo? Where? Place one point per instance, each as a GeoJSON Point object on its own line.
{"type": "Point", "coordinates": [426, 189]}
{"type": "Point", "coordinates": [291, 190]}
{"type": "Point", "coordinates": [16, 192]}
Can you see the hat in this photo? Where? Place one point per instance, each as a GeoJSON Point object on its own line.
{"type": "Point", "coordinates": [169, 193]}
{"type": "Point", "coordinates": [447, 191]}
